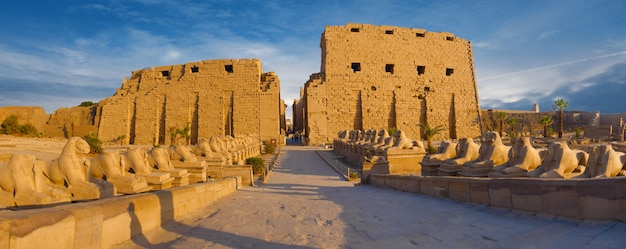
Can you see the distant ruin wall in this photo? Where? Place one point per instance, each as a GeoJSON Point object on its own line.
{"type": "Point", "coordinates": [386, 76]}
{"type": "Point", "coordinates": [33, 115]}
{"type": "Point", "coordinates": [213, 98]}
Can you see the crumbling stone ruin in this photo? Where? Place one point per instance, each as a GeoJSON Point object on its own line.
{"type": "Point", "coordinates": [211, 97]}
{"type": "Point", "coordinates": [387, 76]}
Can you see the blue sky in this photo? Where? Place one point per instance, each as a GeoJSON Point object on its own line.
{"type": "Point", "coordinates": [57, 53]}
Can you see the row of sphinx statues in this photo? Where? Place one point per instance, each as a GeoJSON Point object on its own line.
{"type": "Point", "coordinates": [494, 159]}
{"type": "Point", "coordinates": [374, 145]}
{"type": "Point", "coordinates": [74, 176]}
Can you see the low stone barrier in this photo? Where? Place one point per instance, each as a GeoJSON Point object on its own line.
{"type": "Point", "coordinates": [107, 222]}
{"type": "Point", "coordinates": [594, 199]}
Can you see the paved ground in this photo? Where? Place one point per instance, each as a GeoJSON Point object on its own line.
{"type": "Point", "coordinates": [306, 204]}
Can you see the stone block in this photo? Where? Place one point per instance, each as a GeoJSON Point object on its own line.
{"type": "Point", "coordinates": [441, 187]}
{"type": "Point", "coordinates": [602, 198]}
{"type": "Point", "coordinates": [560, 197]}
{"type": "Point", "coordinates": [459, 189]}
{"type": "Point", "coordinates": [479, 190]}
{"type": "Point", "coordinates": [526, 194]}
{"type": "Point", "coordinates": [427, 185]}
{"type": "Point", "coordinates": [500, 193]}
{"type": "Point", "coordinates": [156, 177]}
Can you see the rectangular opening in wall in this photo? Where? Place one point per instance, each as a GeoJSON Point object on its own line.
{"type": "Point", "coordinates": [389, 32]}
{"type": "Point", "coordinates": [449, 38]}
{"type": "Point", "coordinates": [194, 69]}
{"type": "Point", "coordinates": [389, 68]}
{"type": "Point", "coordinates": [228, 68]}
{"type": "Point", "coordinates": [421, 70]}
{"type": "Point", "coordinates": [165, 73]}
{"type": "Point", "coordinates": [449, 71]}
{"type": "Point", "coordinates": [356, 67]}
{"type": "Point", "coordinates": [420, 34]}
{"type": "Point", "coordinates": [354, 30]}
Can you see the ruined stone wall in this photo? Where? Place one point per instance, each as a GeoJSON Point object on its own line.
{"type": "Point", "coordinates": [386, 76]}
{"type": "Point", "coordinates": [212, 97]}
{"type": "Point", "coordinates": [33, 115]}
{"type": "Point", "coordinates": [315, 122]}
{"type": "Point", "coordinates": [60, 122]}
{"type": "Point", "coordinates": [298, 112]}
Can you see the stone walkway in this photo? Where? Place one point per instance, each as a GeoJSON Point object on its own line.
{"type": "Point", "coordinates": [306, 204]}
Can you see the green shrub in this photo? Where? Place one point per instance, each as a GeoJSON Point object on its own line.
{"type": "Point", "coordinates": [87, 103]}
{"type": "Point", "coordinates": [12, 127]}
{"type": "Point", "coordinates": [28, 130]}
{"type": "Point", "coordinates": [270, 148]}
{"type": "Point", "coordinates": [353, 175]}
{"type": "Point", "coordinates": [257, 164]}
{"type": "Point", "coordinates": [578, 131]}
{"type": "Point", "coordinates": [95, 145]}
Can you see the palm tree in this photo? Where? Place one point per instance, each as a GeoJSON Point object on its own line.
{"type": "Point", "coordinates": [560, 104]}
{"type": "Point", "coordinates": [513, 122]}
{"type": "Point", "coordinates": [545, 121]}
{"type": "Point", "coordinates": [430, 133]}
{"type": "Point", "coordinates": [501, 116]}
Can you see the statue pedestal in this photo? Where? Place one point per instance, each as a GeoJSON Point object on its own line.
{"type": "Point", "coordinates": [448, 169]}
{"type": "Point", "coordinates": [404, 161]}
{"type": "Point", "coordinates": [396, 162]}
{"type": "Point", "coordinates": [181, 177]}
{"type": "Point", "coordinates": [158, 180]}
{"type": "Point", "coordinates": [474, 172]}
{"type": "Point", "coordinates": [130, 184]}
{"type": "Point", "coordinates": [430, 168]}
{"type": "Point", "coordinates": [215, 167]}
{"type": "Point", "coordinates": [197, 170]}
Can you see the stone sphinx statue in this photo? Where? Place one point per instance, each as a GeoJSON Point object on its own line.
{"type": "Point", "coordinates": [138, 162]}
{"type": "Point", "coordinates": [219, 146]}
{"type": "Point", "coordinates": [492, 153]}
{"type": "Point", "coordinates": [466, 150]}
{"type": "Point", "coordinates": [431, 162]}
{"type": "Point", "coordinates": [22, 183]}
{"type": "Point", "coordinates": [71, 170]}
{"type": "Point", "coordinates": [604, 161]}
{"type": "Point", "coordinates": [523, 157]}
{"type": "Point", "coordinates": [111, 166]}
{"type": "Point", "coordinates": [159, 159]}
{"type": "Point", "coordinates": [561, 162]}
{"type": "Point", "coordinates": [401, 142]}
{"type": "Point", "coordinates": [370, 138]}
{"type": "Point", "coordinates": [182, 153]}
{"type": "Point", "coordinates": [447, 150]}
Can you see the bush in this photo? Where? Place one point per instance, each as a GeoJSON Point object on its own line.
{"type": "Point", "coordinates": [28, 130]}
{"type": "Point", "coordinates": [353, 175]}
{"type": "Point", "coordinates": [12, 127]}
{"type": "Point", "coordinates": [578, 131]}
{"type": "Point", "coordinates": [270, 148]}
{"type": "Point", "coordinates": [87, 103]}
{"type": "Point", "coordinates": [258, 164]}
{"type": "Point", "coordinates": [95, 145]}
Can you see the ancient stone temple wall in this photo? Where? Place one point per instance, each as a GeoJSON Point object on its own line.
{"type": "Point", "coordinates": [212, 97]}
{"type": "Point", "coordinates": [386, 76]}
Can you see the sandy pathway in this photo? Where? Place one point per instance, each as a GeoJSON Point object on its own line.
{"type": "Point", "coordinates": [307, 205]}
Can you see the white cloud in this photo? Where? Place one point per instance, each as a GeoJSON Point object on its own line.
{"type": "Point", "coordinates": [547, 34]}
